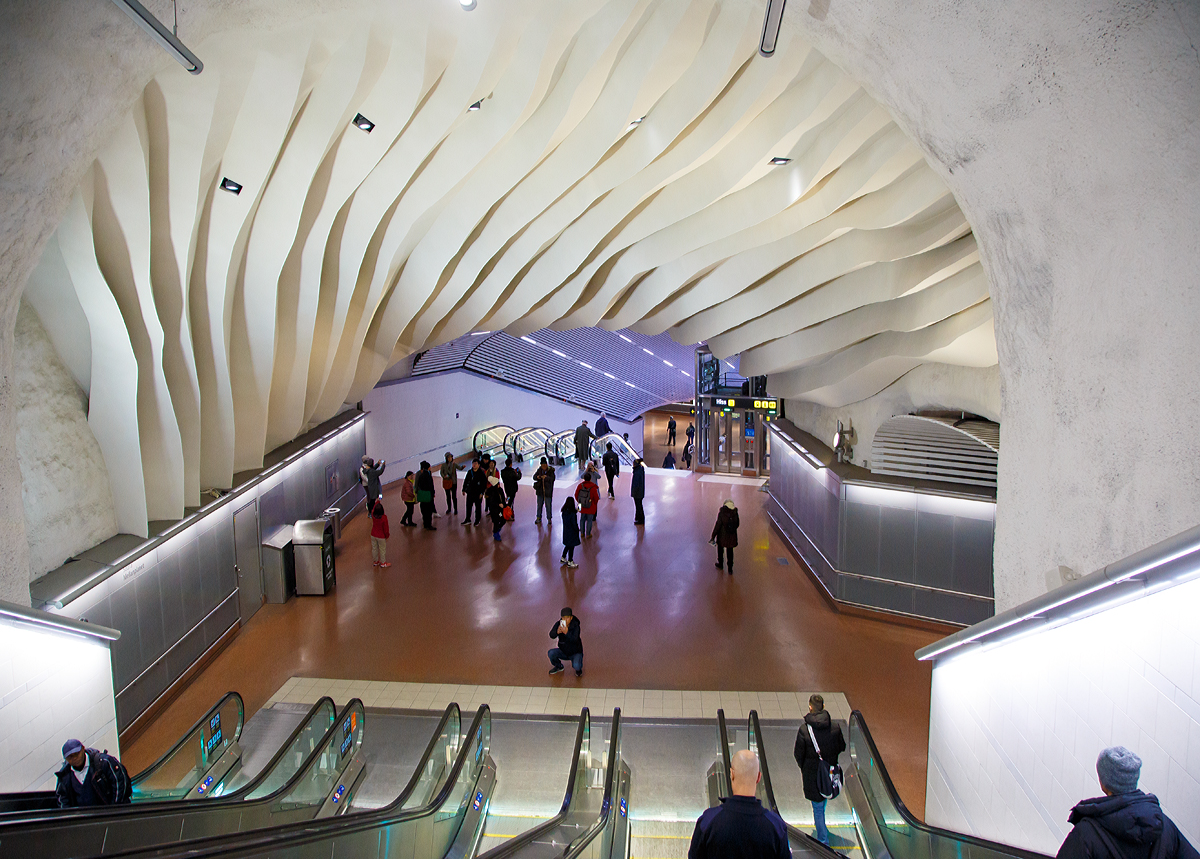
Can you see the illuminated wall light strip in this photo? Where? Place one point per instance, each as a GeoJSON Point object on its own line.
{"type": "Point", "coordinates": [623, 337]}
{"type": "Point", "coordinates": [584, 364]}
{"type": "Point", "coordinates": [529, 340]}
{"type": "Point", "coordinates": [647, 351]}
{"type": "Point", "coordinates": [668, 363]}
{"type": "Point", "coordinates": [610, 375]}
{"type": "Point", "coordinates": [561, 354]}
{"type": "Point", "coordinates": [631, 384]}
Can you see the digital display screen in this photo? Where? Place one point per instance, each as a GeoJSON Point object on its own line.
{"type": "Point", "coordinates": [214, 724]}
{"type": "Point", "coordinates": [213, 742]}
{"type": "Point", "coordinates": [347, 743]}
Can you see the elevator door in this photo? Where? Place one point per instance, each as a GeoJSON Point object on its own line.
{"type": "Point", "coordinates": [247, 553]}
{"type": "Point", "coordinates": [727, 458]}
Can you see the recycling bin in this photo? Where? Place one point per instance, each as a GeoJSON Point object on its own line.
{"type": "Point", "coordinates": [313, 542]}
{"type": "Point", "coordinates": [279, 565]}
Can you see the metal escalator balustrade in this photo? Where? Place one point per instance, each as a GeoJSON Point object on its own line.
{"type": "Point", "coordinates": [134, 828]}
{"type": "Point", "coordinates": [450, 820]}
{"type": "Point", "coordinates": [490, 440]}
{"type": "Point", "coordinates": [86, 831]}
{"type": "Point", "coordinates": [173, 776]}
{"type": "Point", "coordinates": [890, 829]}
{"type": "Point", "coordinates": [527, 444]}
{"type": "Point", "coordinates": [623, 449]}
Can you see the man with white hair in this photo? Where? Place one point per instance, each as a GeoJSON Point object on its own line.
{"type": "Point", "coordinates": [740, 828]}
{"type": "Point", "coordinates": [1124, 822]}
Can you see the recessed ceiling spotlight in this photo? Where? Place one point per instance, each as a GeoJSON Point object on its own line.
{"type": "Point", "coordinates": [779, 159]}
{"type": "Point", "coordinates": [634, 124]}
{"type": "Point", "coordinates": [476, 105]}
{"type": "Point", "coordinates": [467, 5]}
{"type": "Point", "coordinates": [229, 185]}
{"type": "Point", "coordinates": [362, 122]}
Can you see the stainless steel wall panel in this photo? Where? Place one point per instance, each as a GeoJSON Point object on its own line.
{"type": "Point", "coordinates": [973, 546]}
{"type": "Point", "coordinates": [935, 551]}
{"type": "Point", "coordinates": [148, 594]}
{"type": "Point", "coordinates": [219, 622]}
{"type": "Point", "coordinates": [210, 560]}
{"type": "Point", "coordinates": [126, 652]}
{"type": "Point", "coordinates": [174, 623]}
{"type": "Point", "coordinates": [876, 594]}
{"type": "Point", "coordinates": [952, 607]}
{"type": "Point", "coordinates": [188, 558]}
{"type": "Point", "coordinates": [897, 540]}
{"type": "Point", "coordinates": [186, 651]}
{"type": "Point", "coordinates": [860, 540]}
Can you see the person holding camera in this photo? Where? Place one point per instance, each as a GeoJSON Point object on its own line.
{"type": "Point", "coordinates": [569, 644]}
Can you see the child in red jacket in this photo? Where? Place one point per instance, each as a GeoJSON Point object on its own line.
{"type": "Point", "coordinates": [379, 536]}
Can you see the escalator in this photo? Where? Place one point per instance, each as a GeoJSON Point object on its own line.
{"type": "Point", "coordinates": [527, 445]}
{"type": "Point", "coordinates": [439, 812]}
{"type": "Point", "coordinates": [623, 449]}
{"type": "Point", "coordinates": [322, 753]}
{"type": "Point", "coordinates": [490, 440]}
{"type": "Point", "coordinates": [593, 820]}
{"type": "Point", "coordinates": [206, 755]}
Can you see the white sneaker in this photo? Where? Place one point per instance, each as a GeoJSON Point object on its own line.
{"type": "Point", "coordinates": [572, 564]}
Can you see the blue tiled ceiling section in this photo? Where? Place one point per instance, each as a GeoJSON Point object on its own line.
{"type": "Point", "coordinates": [622, 373]}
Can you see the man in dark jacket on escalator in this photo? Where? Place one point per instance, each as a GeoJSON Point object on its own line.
{"type": "Point", "coordinates": [818, 743]}
{"type": "Point", "coordinates": [90, 777]}
{"type": "Point", "coordinates": [1124, 823]}
{"type": "Point", "coordinates": [740, 828]}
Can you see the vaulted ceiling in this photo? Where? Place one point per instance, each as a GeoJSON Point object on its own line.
{"type": "Point", "coordinates": [616, 172]}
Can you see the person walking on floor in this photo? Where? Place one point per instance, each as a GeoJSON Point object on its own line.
{"type": "Point", "coordinates": [691, 432]}
{"type": "Point", "coordinates": [496, 502]}
{"type": "Point", "coordinates": [637, 489]}
{"type": "Point", "coordinates": [511, 478]}
{"type": "Point", "coordinates": [543, 488]}
{"type": "Point", "coordinates": [570, 529]}
{"type": "Point", "coordinates": [587, 494]}
{"type": "Point", "coordinates": [1124, 823]}
{"type": "Point", "coordinates": [569, 644]}
{"type": "Point", "coordinates": [724, 534]}
{"type": "Point", "coordinates": [818, 744]}
{"type": "Point", "coordinates": [90, 777]}
{"type": "Point", "coordinates": [740, 828]}
{"type": "Point", "coordinates": [671, 431]}
{"type": "Point", "coordinates": [669, 460]}
{"type": "Point", "coordinates": [612, 467]}
{"type": "Point", "coordinates": [583, 442]}
{"type": "Point", "coordinates": [408, 494]}
{"type": "Point", "coordinates": [369, 476]}
{"type": "Point", "coordinates": [474, 485]}
{"type": "Point", "coordinates": [687, 454]}
{"type": "Point", "coordinates": [380, 533]}
{"type": "Point", "coordinates": [425, 495]}
{"type": "Point", "coordinates": [602, 427]}
{"type": "Point", "coordinates": [449, 472]}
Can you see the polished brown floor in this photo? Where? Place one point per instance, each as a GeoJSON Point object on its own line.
{"type": "Point", "coordinates": [457, 607]}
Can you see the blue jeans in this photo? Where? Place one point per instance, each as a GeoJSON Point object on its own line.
{"type": "Point", "coordinates": [557, 656]}
{"type": "Point", "coordinates": [544, 502]}
{"type": "Point", "coordinates": [585, 524]}
{"type": "Point", "coordinates": [819, 820]}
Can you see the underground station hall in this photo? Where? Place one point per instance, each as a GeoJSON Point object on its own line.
{"type": "Point", "coordinates": [621, 429]}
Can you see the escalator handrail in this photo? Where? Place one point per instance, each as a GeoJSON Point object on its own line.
{"type": "Point", "coordinates": [303, 833]}
{"type": "Point", "coordinates": [724, 735]}
{"type": "Point", "coordinates": [92, 813]}
{"type": "Point", "coordinates": [513, 845]}
{"type": "Point", "coordinates": [910, 820]}
{"type": "Point", "coordinates": [475, 437]}
{"type": "Point", "coordinates": [150, 770]}
{"type": "Point", "coordinates": [794, 833]}
{"type": "Point", "coordinates": [611, 780]}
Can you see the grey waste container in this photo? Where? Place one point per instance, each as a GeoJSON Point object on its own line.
{"type": "Point", "coordinates": [279, 565]}
{"type": "Point", "coordinates": [334, 515]}
{"type": "Point", "coordinates": [313, 541]}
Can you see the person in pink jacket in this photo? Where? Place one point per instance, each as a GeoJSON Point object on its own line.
{"type": "Point", "coordinates": [379, 536]}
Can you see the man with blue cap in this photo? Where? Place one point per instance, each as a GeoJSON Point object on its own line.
{"type": "Point", "coordinates": [1124, 822]}
{"type": "Point", "coordinates": [90, 777]}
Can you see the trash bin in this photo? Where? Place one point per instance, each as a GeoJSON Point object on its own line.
{"type": "Point", "coordinates": [313, 542]}
{"type": "Point", "coordinates": [279, 565]}
{"type": "Point", "coordinates": [334, 515]}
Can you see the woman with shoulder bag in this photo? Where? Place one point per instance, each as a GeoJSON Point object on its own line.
{"type": "Point", "coordinates": [818, 744]}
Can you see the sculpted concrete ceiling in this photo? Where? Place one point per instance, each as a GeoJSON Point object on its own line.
{"type": "Point", "coordinates": [616, 173]}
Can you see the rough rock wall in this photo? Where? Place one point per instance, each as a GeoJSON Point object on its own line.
{"type": "Point", "coordinates": [929, 386]}
{"type": "Point", "coordinates": [64, 483]}
{"type": "Point", "coordinates": [1067, 132]}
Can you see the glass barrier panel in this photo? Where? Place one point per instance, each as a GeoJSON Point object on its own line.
{"type": "Point", "coordinates": [179, 773]}
{"type": "Point", "coordinates": [304, 744]}
{"type": "Point", "coordinates": [447, 820]}
{"type": "Point", "coordinates": [341, 744]}
{"type": "Point", "coordinates": [440, 761]}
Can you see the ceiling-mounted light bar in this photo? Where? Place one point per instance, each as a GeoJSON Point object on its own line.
{"type": "Point", "coordinates": [770, 32]}
{"type": "Point", "coordinates": [162, 35]}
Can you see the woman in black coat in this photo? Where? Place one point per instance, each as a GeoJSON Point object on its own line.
{"type": "Point", "coordinates": [831, 744]}
{"type": "Point", "coordinates": [570, 520]}
{"type": "Point", "coordinates": [724, 533]}
{"type": "Point", "coordinates": [496, 502]}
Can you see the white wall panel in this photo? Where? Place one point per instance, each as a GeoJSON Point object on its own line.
{"type": "Point", "coordinates": [1015, 729]}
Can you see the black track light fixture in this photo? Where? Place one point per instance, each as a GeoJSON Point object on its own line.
{"type": "Point", "coordinates": [363, 123]}
{"type": "Point", "coordinates": [779, 160]}
{"type": "Point", "coordinates": [476, 105]}
{"type": "Point", "coordinates": [229, 185]}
